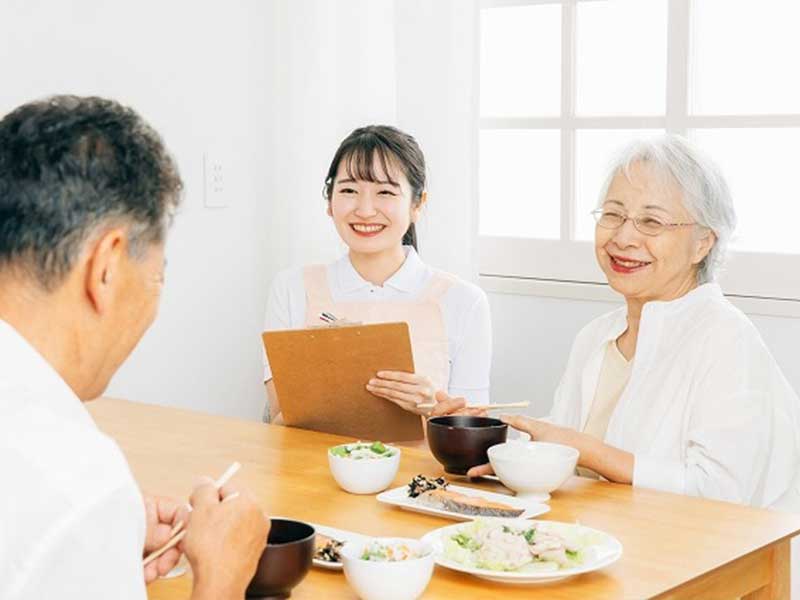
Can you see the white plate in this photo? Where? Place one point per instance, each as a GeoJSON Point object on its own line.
{"type": "Point", "coordinates": [399, 497]}
{"type": "Point", "coordinates": [607, 551]}
{"type": "Point", "coordinates": [336, 534]}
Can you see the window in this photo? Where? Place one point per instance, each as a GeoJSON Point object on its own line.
{"type": "Point", "coordinates": [564, 83]}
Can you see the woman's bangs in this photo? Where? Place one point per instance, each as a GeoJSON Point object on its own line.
{"type": "Point", "coordinates": [360, 164]}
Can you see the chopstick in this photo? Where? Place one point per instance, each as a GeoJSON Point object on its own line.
{"type": "Point", "coordinates": [485, 406]}
{"type": "Point", "coordinates": [175, 534]}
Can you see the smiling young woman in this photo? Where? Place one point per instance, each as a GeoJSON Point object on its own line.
{"type": "Point", "coordinates": [375, 192]}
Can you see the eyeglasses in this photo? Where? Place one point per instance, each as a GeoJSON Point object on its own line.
{"type": "Point", "coordinates": [646, 224]}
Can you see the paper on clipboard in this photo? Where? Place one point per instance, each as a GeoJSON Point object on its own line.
{"type": "Point", "coordinates": [320, 376]}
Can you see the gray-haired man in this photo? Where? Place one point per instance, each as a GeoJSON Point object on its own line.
{"type": "Point", "coordinates": [87, 191]}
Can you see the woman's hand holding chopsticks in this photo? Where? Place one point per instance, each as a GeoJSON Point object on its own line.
{"type": "Point", "coordinates": [450, 405]}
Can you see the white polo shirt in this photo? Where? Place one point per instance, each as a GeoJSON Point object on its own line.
{"type": "Point", "coordinates": [72, 522]}
{"type": "Point", "coordinates": [465, 311]}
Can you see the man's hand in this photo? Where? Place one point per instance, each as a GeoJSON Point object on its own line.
{"type": "Point", "coordinates": [224, 539]}
{"type": "Point", "coordinates": [161, 514]}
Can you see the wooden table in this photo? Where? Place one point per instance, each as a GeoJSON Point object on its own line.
{"type": "Point", "coordinates": [674, 546]}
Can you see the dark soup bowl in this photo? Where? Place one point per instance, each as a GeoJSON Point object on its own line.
{"type": "Point", "coordinates": [284, 562]}
{"type": "Point", "coordinates": [461, 442]}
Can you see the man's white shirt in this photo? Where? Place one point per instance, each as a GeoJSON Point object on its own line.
{"type": "Point", "coordinates": [72, 522]}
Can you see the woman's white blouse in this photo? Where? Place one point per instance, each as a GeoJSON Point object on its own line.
{"type": "Point", "coordinates": [465, 311]}
{"type": "Point", "coordinates": [707, 411]}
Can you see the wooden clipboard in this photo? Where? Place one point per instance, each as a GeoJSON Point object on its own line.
{"type": "Point", "coordinates": [320, 376]}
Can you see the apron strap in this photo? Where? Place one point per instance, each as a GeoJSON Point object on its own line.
{"type": "Point", "coordinates": [440, 283]}
{"type": "Point", "coordinates": [315, 280]}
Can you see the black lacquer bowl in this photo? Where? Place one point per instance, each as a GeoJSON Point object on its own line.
{"type": "Point", "coordinates": [284, 562]}
{"type": "Point", "coordinates": [461, 442]}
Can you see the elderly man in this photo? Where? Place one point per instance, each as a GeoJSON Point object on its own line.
{"type": "Point", "coordinates": [87, 191]}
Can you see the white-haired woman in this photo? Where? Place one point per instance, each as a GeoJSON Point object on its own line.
{"type": "Point", "coordinates": [676, 391]}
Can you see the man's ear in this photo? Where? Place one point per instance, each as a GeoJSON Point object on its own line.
{"type": "Point", "coordinates": [416, 209]}
{"type": "Point", "coordinates": [103, 262]}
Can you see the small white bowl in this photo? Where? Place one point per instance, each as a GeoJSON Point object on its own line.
{"type": "Point", "coordinates": [364, 476]}
{"type": "Point", "coordinates": [401, 580]}
{"type": "Point", "coordinates": [533, 469]}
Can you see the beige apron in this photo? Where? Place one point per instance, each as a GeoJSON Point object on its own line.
{"type": "Point", "coordinates": [423, 316]}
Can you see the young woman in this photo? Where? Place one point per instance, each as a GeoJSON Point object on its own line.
{"type": "Point", "coordinates": [375, 192]}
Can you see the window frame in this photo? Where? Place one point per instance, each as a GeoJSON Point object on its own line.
{"type": "Point", "coordinates": [757, 281]}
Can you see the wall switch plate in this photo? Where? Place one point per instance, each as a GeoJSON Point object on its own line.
{"type": "Point", "coordinates": [215, 188]}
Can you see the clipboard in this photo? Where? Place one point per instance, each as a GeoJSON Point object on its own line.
{"type": "Point", "coordinates": [320, 376]}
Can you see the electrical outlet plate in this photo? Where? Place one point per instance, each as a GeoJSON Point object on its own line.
{"type": "Point", "coordinates": [215, 188]}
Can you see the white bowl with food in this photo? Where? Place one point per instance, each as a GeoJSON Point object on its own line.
{"type": "Point", "coordinates": [364, 467]}
{"type": "Point", "coordinates": [388, 568]}
{"type": "Point", "coordinates": [533, 469]}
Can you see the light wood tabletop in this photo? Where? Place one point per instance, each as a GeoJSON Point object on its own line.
{"type": "Point", "coordinates": [674, 546]}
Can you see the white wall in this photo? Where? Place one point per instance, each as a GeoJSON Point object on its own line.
{"type": "Point", "coordinates": [198, 71]}
{"type": "Point", "coordinates": [335, 71]}
{"type": "Point", "coordinates": [437, 102]}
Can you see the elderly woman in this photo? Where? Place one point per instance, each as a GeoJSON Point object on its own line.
{"type": "Point", "coordinates": [676, 391]}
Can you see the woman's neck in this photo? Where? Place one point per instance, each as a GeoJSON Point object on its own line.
{"type": "Point", "coordinates": [627, 341]}
{"type": "Point", "coordinates": [378, 267]}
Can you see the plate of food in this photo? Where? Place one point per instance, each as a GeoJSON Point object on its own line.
{"type": "Point", "coordinates": [522, 551]}
{"type": "Point", "coordinates": [329, 545]}
{"type": "Point", "coordinates": [438, 497]}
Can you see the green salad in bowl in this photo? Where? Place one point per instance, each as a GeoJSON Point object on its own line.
{"type": "Point", "coordinates": [364, 467]}
{"type": "Point", "coordinates": [363, 450]}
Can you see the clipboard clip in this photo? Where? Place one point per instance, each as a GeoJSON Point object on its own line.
{"type": "Point", "coordinates": [332, 321]}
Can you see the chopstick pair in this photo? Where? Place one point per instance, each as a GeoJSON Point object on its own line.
{"type": "Point", "coordinates": [177, 533]}
{"type": "Point", "coordinates": [485, 406]}
{"type": "Point", "coordinates": [327, 317]}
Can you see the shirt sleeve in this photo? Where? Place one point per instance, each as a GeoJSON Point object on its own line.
{"type": "Point", "coordinates": [278, 315]}
{"type": "Point", "coordinates": [95, 554]}
{"type": "Point", "coordinates": [729, 436]}
{"type": "Point", "coordinates": [472, 363]}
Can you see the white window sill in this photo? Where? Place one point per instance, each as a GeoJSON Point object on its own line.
{"type": "Point", "coordinates": [601, 292]}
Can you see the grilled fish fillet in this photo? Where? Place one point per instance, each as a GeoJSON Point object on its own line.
{"type": "Point", "coordinates": [467, 505]}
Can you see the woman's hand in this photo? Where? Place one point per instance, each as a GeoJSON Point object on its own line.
{"type": "Point", "coordinates": [451, 405]}
{"type": "Point", "coordinates": [541, 431]}
{"type": "Point", "coordinates": [407, 390]}
{"type": "Point", "coordinates": [610, 462]}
